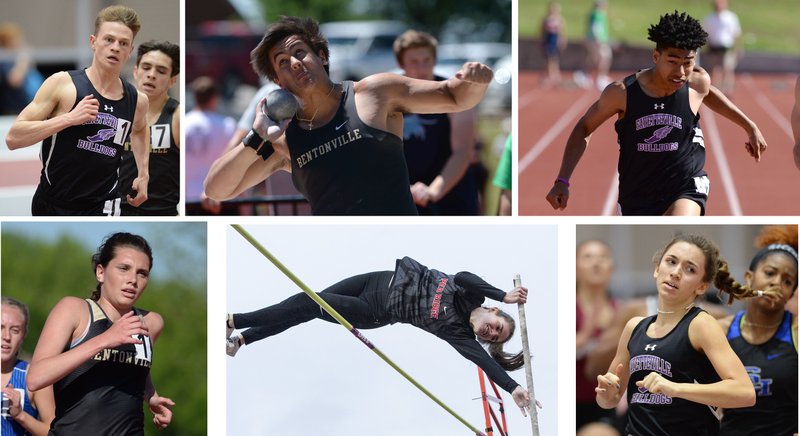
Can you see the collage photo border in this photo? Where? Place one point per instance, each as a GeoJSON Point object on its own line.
{"type": "Point", "coordinates": [218, 234]}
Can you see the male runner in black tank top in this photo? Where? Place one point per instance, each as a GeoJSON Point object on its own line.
{"type": "Point", "coordinates": [344, 145]}
{"type": "Point", "coordinates": [661, 154]}
{"type": "Point", "coordinates": [84, 118]}
{"type": "Point", "coordinates": [157, 68]}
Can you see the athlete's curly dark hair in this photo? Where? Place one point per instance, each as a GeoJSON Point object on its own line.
{"type": "Point", "coordinates": [678, 30]}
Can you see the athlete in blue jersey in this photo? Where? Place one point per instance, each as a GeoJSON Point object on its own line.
{"type": "Point", "coordinates": [84, 119]}
{"type": "Point", "coordinates": [764, 336]}
{"type": "Point", "coordinates": [24, 412]}
{"type": "Point", "coordinates": [97, 353]}
{"type": "Point", "coordinates": [676, 366]}
{"type": "Point", "coordinates": [661, 148]}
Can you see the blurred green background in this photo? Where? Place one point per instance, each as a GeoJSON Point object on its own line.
{"type": "Point", "coordinates": [45, 261]}
{"type": "Point", "coordinates": [767, 25]}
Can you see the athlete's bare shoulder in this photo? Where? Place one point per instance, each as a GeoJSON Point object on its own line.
{"type": "Point", "coordinates": [59, 91]}
{"type": "Point", "coordinates": [59, 79]}
{"type": "Point", "coordinates": [379, 89]}
{"type": "Point", "coordinates": [699, 80]}
{"type": "Point", "coordinates": [615, 88]}
{"type": "Point", "coordinates": [614, 97]}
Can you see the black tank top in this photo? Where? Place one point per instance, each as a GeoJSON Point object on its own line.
{"type": "Point", "coordinates": [81, 163]}
{"type": "Point", "coordinates": [421, 296]}
{"type": "Point", "coordinates": [426, 144]}
{"type": "Point", "coordinates": [427, 147]}
{"type": "Point", "coordinates": [772, 367]}
{"type": "Point", "coordinates": [164, 185]}
{"type": "Point", "coordinates": [349, 168]}
{"type": "Point", "coordinates": [104, 395]}
{"type": "Point", "coordinates": [660, 145]}
{"type": "Point", "coordinates": [441, 304]}
{"type": "Point", "coordinates": [676, 360]}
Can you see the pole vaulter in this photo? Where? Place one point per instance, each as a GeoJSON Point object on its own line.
{"type": "Point", "coordinates": [330, 310]}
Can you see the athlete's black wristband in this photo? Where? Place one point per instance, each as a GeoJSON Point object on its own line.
{"type": "Point", "coordinates": [262, 147]}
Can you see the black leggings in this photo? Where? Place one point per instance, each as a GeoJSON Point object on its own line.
{"type": "Point", "coordinates": [361, 300]}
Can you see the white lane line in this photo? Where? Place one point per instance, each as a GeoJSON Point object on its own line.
{"type": "Point", "coordinates": [565, 120]}
{"type": "Point", "coordinates": [528, 98]}
{"type": "Point", "coordinates": [713, 140]}
{"type": "Point", "coordinates": [781, 119]}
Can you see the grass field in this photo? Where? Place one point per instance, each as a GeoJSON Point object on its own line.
{"type": "Point", "coordinates": [767, 25]}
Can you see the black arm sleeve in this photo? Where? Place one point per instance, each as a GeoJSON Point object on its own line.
{"type": "Point", "coordinates": [470, 349]}
{"type": "Point", "coordinates": [475, 285]}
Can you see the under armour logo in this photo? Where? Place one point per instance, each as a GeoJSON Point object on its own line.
{"type": "Point", "coordinates": [108, 108]}
{"type": "Point", "coordinates": [650, 347]}
{"type": "Point", "coordinates": [658, 106]}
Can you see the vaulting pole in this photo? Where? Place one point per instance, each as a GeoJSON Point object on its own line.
{"type": "Point", "coordinates": [347, 325]}
{"type": "Point", "coordinates": [526, 351]}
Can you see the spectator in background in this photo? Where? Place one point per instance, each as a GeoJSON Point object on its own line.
{"type": "Point", "coordinates": [796, 123]}
{"type": "Point", "coordinates": [594, 265]}
{"type": "Point", "coordinates": [502, 179]}
{"type": "Point", "coordinates": [438, 147]}
{"type": "Point", "coordinates": [597, 43]}
{"type": "Point", "coordinates": [19, 78]}
{"type": "Point", "coordinates": [156, 71]}
{"type": "Point", "coordinates": [207, 132]}
{"type": "Point", "coordinates": [554, 40]}
{"type": "Point", "coordinates": [723, 30]}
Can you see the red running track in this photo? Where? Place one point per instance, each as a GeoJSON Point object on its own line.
{"type": "Point", "coordinates": [739, 185]}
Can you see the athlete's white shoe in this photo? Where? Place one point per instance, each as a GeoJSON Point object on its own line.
{"type": "Point", "coordinates": [232, 345]}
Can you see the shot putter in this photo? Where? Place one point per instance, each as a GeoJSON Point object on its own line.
{"type": "Point", "coordinates": [280, 105]}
